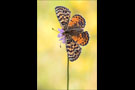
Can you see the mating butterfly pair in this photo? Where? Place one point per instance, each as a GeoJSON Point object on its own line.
{"type": "Point", "coordinates": [72, 31]}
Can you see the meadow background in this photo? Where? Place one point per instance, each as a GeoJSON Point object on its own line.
{"type": "Point", "coordinates": [52, 60]}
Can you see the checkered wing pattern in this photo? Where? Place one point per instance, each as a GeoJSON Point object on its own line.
{"type": "Point", "coordinates": [63, 15]}
{"type": "Point", "coordinates": [82, 39]}
{"type": "Point", "coordinates": [73, 49]}
{"type": "Point", "coordinates": [77, 21]}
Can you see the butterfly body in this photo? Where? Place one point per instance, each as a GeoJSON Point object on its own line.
{"type": "Point", "coordinates": [73, 31]}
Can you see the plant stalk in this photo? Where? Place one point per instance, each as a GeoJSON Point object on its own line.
{"type": "Point", "coordinates": [67, 73]}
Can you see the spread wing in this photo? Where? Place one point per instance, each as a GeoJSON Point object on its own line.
{"type": "Point", "coordinates": [77, 21]}
{"type": "Point", "coordinates": [63, 15]}
{"type": "Point", "coordinates": [82, 38]}
{"type": "Point", "coordinates": [73, 49]}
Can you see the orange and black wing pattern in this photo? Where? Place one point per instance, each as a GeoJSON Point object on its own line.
{"type": "Point", "coordinates": [73, 49]}
{"type": "Point", "coordinates": [63, 15]}
{"type": "Point", "coordinates": [82, 39]}
{"type": "Point", "coordinates": [77, 21]}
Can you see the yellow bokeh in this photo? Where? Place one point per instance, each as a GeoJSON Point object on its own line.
{"type": "Point", "coordinates": [52, 60]}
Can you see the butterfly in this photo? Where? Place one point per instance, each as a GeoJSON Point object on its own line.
{"type": "Point", "coordinates": [72, 31]}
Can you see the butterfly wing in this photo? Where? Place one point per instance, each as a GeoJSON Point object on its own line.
{"type": "Point", "coordinates": [82, 38]}
{"type": "Point", "coordinates": [77, 21]}
{"type": "Point", "coordinates": [63, 15]}
{"type": "Point", "coordinates": [73, 49]}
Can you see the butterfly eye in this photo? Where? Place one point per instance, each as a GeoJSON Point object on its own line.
{"type": "Point", "coordinates": [63, 23]}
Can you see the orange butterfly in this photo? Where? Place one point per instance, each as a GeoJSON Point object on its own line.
{"type": "Point", "coordinates": [72, 33]}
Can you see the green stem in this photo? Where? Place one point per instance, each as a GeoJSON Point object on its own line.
{"type": "Point", "coordinates": [67, 73]}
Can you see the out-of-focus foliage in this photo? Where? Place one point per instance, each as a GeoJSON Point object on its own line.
{"type": "Point", "coordinates": [52, 60]}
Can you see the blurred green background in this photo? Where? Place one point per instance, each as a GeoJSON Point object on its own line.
{"type": "Point", "coordinates": [52, 60]}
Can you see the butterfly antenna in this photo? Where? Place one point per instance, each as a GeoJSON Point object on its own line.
{"type": "Point", "coordinates": [55, 30]}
